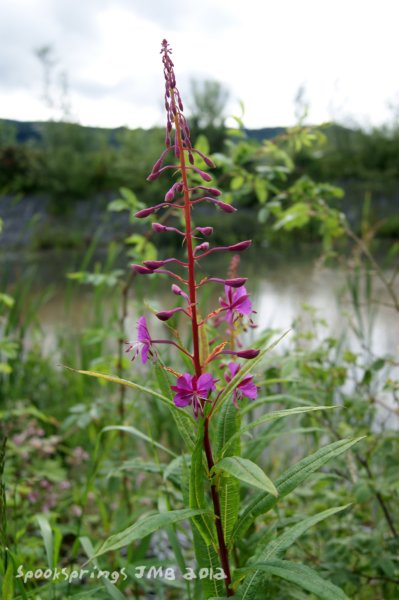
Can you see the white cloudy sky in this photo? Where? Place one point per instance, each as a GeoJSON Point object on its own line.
{"type": "Point", "coordinates": [345, 52]}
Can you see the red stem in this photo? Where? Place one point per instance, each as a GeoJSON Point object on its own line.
{"type": "Point", "coordinates": [223, 552]}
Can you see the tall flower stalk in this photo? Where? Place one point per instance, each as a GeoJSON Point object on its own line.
{"type": "Point", "coordinates": [194, 388]}
{"type": "Point", "coordinates": [214, 387]}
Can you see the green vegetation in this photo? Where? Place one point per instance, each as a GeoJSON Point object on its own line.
{"type": "Point", "coordinates": [67, 162]}
{"type": "Point", "coordinates": [85, 464]}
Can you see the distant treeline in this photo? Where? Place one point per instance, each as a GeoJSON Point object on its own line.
{"type": "Point", "coordinates": [67, 161]}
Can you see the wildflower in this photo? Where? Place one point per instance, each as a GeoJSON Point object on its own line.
{"type": "Point", "coordinates": [64, 484]}
{"type": "Point", "coordinates": [246, 387]}
{"type": "Point", "coordinates": [236, 303]}
{"type": "Point", "coordinates": [194, 390]}
{"type": "Point", "coordinates": [78, 456]}
{"type": "Point", "coordinates": [143, 344]}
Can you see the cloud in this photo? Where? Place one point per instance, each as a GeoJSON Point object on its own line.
{"type": "Point", "coordinates": [261, 51]}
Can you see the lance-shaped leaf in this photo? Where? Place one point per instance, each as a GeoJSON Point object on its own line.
{"type": "Point", "coordinates": [127, 383]}
{"type": "Point", "coordinates": [204, 522]}
{"type": "Point", "coordinates": [275, 549]}
{"type": "Point", "coordinates": [228, 423]}
{"type": "Point", "coordinates": [290, 480]}
{"type": "Point", "coordinates": [300, 575]}
{"type": "Point", "coordinates": [272, 416]}
{"type": "Point", "coordinates": [184, 421]}
{"type": "Point", "coordinates": [144, 527]}
{"type": "Point", "coordinates": [139, 434]}
{"type": "Point", "coordinates": [246, 471]}
{"type": "Point", "coordinates": [112, 590]}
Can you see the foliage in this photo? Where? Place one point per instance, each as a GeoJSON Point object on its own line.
{"type": "Point", "coordinates": [106, 472]}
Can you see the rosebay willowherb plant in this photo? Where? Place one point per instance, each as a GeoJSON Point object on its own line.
{"type": "Point", "coordinates": [217, 386]}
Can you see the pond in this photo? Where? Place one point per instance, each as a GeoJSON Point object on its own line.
{"type": "Point", "coordinates": [280, 285]}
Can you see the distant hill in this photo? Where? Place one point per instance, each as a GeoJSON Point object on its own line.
{"type": "Point", "coordinates": [31, 130]}
{"type": "Point", "coordinates": [26, 131]}
{"type": "Point", "coordinates": [265, 133]}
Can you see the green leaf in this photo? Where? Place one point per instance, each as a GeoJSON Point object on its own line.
{"type": "Point", "coordinates": [136, 464]}
{"type": "Point", "coordinates": [7, 589]}
{"type": "Point", "coordinates": [143, 528]}
{"type": "Point", "coordinates": [277, 547]}
{"type": "Point", "coordinates": [237, 182]}
{"type": "Point", "coordinates": [118, 205]}
{"type": "Point", "coordinates": [109, 586]}
{"type": "Point", "coordinates": [136, 386]}
{"type": "Point", "coordinates": [139, 434]}
{"type": "Point", "coordinates": [290, 480]}
{"type": "Point", "coordinates": [247, 471]}
{"type": "Point", "coordinates": [260, 190]}
{"type": "Point", "coordinates": [272, 416]}
{"type": "Point", "coordinates": [202, 144]}
{"type": "Point", "coordinates": [229, 420]}
{"type": "Point", "coordinates": [208, 558]}
{"type": "Point", "coordinates": [300, 575]}
{"type": "Point", "coordinates": [248, 366]}
{"type": "Point", "coordinates": [164, 506]}
{"type": "Point", "coordinates": [204, 522]}
{"type": "Point", "coordinates": [47, 535]}
{"type": "Point", "coordinates": [7, 300]}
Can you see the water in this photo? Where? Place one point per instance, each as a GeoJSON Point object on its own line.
{"type": "Point", "coordinates": [279, 285]}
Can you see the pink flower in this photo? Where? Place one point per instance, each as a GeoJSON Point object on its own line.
{"type": "Point", "coordinates": [143, 344]}
{"type": "Point", "coordinates": [235, 303]}
{"type": "Point", "coordinates": [245, 388]}
{"type": "Point", "coordinates": [192, 390]}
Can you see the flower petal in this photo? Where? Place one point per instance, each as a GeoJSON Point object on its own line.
{"type": "Point", "coordinates": [142, 330]}
{"type": "Point", "coordinates": [248, 389]}
{"type": "Point", "coordinates": [144, 353]}
{"type": "Point", "coordinates": [205, 384]}
{"type": "Point", "coordinates": [182, 400]}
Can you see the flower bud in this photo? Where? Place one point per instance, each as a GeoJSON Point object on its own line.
{"type": "Point", "coordinates": [250, 353]}
{"type": "Point", "coordinates": [154, 264]}
{"type": "Point", "coordinates": [202, 247]}
{"type": "Point", "coordinates": [165, 315]}
{"type": "Point", "coordinates": [236, 282]}
{"type": "Point", "coordinates": [170, 194]}
{"type": "Point", "coordinates": [209, 190]}
{"type": "Point", "coordinates": [157, 165]}
{"type": "Point", "coordinates": [205, 176]}
{"type": "Point", "coordinates": [224, 206]}
{"type": "Point", "coordinates": [158, 227]}
{"type": "Point", "coordinates": [179, 292]}
{"type": "Point", "coordinates": [205, 158]}
{"type": "Point", "coordinates": [205, 230]}
{"type": "Point", "coordinates": [145, 212]}
{"type": "Point", "coordinates": [176, 188]}
{"type": "Point", "coordinates": [142, 270]}
{"type": "Point", "coordinates": [239, 247]}
{"type": "Point", "coordinates": [176, 290]}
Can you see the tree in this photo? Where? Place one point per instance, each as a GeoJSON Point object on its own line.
{"type": "Point", "coordinates": [207, 107]}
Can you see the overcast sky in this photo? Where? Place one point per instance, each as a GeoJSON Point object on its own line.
{"type": "Point", "coordinates": [345, 53]}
